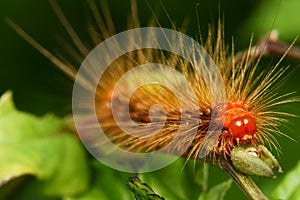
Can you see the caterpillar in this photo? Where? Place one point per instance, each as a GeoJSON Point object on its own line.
{"type": "Point", "coordinates": [201, 114]}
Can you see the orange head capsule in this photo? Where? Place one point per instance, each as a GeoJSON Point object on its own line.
{"type": "Point", "coordinates": [240, 123]}
{"type": "Point", "coordinates": [242, 126]}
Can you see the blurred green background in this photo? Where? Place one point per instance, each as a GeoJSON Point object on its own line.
{"type": "Point", "coordinates": [39, 87]}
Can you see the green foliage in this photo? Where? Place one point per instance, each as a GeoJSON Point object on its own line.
{"type": "Point", "coordinates": [40, 147]}
{"type": "Point", "coordinates": [289, 187]}
{"type": "Point", "coordinates": [217, 192]}
{"type": "Point", "coordinates": [280, 15]}
{"type": "Point", "coordinates": [107, 184]}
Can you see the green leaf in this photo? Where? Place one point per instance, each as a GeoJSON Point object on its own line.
{"type": "Point", "coordinates": [289, 187]}
{"type": "Point", "coordinates": [39, 146]}
{"type": "Point", "coordinates": [107, 184]}
{"type": "Point", "coordinates": [6, 104]}
{"type": "Point", "coordinates": [217, 192]}
{"type": "Point", "coordinates": [72, 173]}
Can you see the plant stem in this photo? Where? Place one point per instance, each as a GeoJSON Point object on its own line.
{"type": "Point", "coordinates": [243, 181]}
{"type": "Point", "coordinates": [270, 45]}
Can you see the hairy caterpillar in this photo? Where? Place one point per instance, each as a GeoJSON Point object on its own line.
{"type": "Point", "coordinates": [249, 106]}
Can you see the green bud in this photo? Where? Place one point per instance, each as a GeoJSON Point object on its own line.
{"type": "Point", "coordinates": [254, 160]}
{"type": "Point", "coordinates": [141, 190]}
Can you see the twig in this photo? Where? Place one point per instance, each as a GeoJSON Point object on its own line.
{"type": "Point", "coordinates": [270, 45]}
{"type": "Point", "coordinates": [243, 181]}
